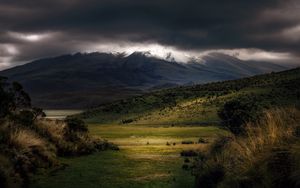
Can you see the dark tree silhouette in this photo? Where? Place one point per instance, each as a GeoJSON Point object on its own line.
{"type": "Point", "coordinates": [12, 97]}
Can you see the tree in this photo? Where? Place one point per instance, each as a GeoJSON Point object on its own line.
{"type": "Point", "coordinates": [21, 98]}
{"type": "Point", "coordinates": [24, 117]}
{"type": "Point", "coordinates": [6, 100]}
{"type": "Point", "coordinates": [12, 97]}
{"type": "Point", "coordinates": [38, 112]}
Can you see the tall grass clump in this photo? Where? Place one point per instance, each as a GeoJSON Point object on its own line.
{"type": "Point", "coordinates": [71, 137]}
{"type": "Point", "coordinates": [266, 155]}
{"type": "Point", "coordinates": [29, 142]}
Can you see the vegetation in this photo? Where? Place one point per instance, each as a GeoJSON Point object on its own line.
{"type": "Point", "coordinates": [261, 113]}
{"type": "Point", "coordinates": [159, 134]}
{"type": "Point", "coordinates": [144, 159]}
{"type": "Point", "coordinates": [29, 142]}
{"type": "Point", "coordinates": [266, 156]}
{"type": "Point", "coordinates": [201, 104]}
{"type": "Point", "coordinates": [235, 113]}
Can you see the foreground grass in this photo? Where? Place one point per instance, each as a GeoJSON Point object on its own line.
{"type": "Point", "coordinates": [144, 159]}
{"type": "Point", "coordinates": [267, 155]}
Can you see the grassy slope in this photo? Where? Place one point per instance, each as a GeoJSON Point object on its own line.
{"type": "Point", "coordinates": [198, 104]}
{"type": "Point", "coordinates": [137, 164]}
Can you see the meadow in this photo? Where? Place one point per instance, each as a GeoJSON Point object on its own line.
{"type": "Point", "coordinates": [149, 156]}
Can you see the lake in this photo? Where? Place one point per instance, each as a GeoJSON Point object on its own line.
{"type": "Point", "coordinates": [60, 114]}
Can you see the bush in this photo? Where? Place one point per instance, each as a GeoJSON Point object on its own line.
{"type": "Point", "coordinates": [188, 153]}
{"type": "Point", "coordinates": [236, 113]}
{"type": "Point", "coordinates": [220, 144]}
{"type": "Point", "coordinates": [266, 155]}
{"type": "Point", "coordinates": [76, 125]}
{"type": "Point", "coordinates": [202, 141]}
{"type": "Point", "coordinates": [187, 142]}
{"type": "Point", "coordinates": [126, 121]}
{"type": "Point", "coordinates": [29, 143]}
{"type": "Point", "coordinates": [25, 117]}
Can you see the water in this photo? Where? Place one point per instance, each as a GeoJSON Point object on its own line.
{"type": "Point", "coordinates": [60, 114]}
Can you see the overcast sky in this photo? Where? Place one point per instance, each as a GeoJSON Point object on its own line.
{"type": "Point", "coordinates": [248, 29]}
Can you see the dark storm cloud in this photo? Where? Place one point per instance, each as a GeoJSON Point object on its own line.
{"type": "Point", "coordinates": [271, 25]}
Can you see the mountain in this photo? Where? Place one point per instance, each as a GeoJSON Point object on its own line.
{"type": "Point", "coordinates": [85, 80]}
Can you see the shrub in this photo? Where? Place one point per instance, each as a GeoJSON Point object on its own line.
{"type": "Point", "coordinates": [266, 155]}
{"type": "Point", "coordinates": [188, 153]}
{"type": "Point", "coordinates": [24, 117]}
{"type": "Point", "coordinates": [38, 112]}
{"type": "Point", "coordinates": [28, 142]}
{"type": "Point", "coordinates": [27, 117]}
{"type": "Point", "coordinates": [187, 142]}
{"type": "Point", "coordinates": [126, 121]}
{"type": "Point", "coordinates": [220, 144]}
{"type": "Point", "coordinates": [76, 125]}
{"type": "Point", "coordinates": [202, 141]}
{"type": "Point", "coordinates": [237, 112]}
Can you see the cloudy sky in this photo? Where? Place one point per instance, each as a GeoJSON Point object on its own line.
{"type": "Point", "coordinates": [249, 29]}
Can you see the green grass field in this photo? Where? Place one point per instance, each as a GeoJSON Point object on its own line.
{"type": "Point", "coordinates": [144, 159]}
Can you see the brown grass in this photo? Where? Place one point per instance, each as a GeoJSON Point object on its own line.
{"type": "Point", "coordinates": [54, 128]}
{"type": "Point", "coordinates": [252, 154]}
{"type": "Point", "coordinates": [25, 139]}
{"type": "Point", "coordinates": [276, 129]}
{"type": "Point", "coordinates": [37, 146]}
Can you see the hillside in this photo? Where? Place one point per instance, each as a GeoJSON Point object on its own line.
{"type": "Point", "coordinates": [199, 104]}
{"type": "Point", "coordinates": [85, 80]}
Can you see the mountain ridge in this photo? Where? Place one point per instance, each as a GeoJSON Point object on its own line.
{"type": "Point", "coordinates": [84, 80]}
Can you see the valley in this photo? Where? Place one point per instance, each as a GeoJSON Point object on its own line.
{"type": "Point", "coordinates": [162, 138]}
{"type": "Point", "coordinates": [150, 94]}
{"type": "Point", "coordinates": [144, 160]}
{"type": "Point", "coordinates": [152, 130]}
